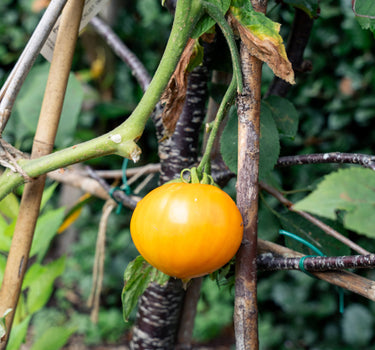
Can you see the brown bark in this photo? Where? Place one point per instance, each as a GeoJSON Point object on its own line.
{"type": "Point", "coordinates": [246, 309]}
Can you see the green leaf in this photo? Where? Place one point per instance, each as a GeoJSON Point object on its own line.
{"type": "Point", "coordinates": [47, 194]}
{"type": "Point", "coordinates": [6, 232]}
{"type": "Point", "coordinates": [53, 338]}
{"type": "Point", "coordinates": [304, 229]}
{"type": "Point", "coordinates": [285, 115]}
{"type": "Point", "coordinates": [137, 276]}
{"type": "Point", "coordinates": [269, 146]}
{"type": "Point", "coordinates": [261, 37]}
{"type": "Point", "coordinates": [357, 325]}
{"type": "Point", "coordinates": [3, 262]}
{"type": "Point", "coordinates": [206, 22]}
{"type": "Point", "coordinates": [229, 141]}
{"type": "Point", "coordinates": [112, 110]}
{"type": "Point", "coordinates": [46, 228]}
{"type": "Point", "coordinates": [39, 280]}
{"type": "Point", "coordinates": [365, 13]}
{"type": "Point", "coordinates": [29, 101]}
{"type": "Point", "coordinates": [9, 206]}
{"type": "Point", "coordinates": [349, 190]}
{"type": "Point", "coordinates": [18, 334]}
{"type": "Point", "coordinates": [311, 7]}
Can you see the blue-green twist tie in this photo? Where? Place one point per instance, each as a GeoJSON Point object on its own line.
{"type": "Point", "coordinates": [124, 187]}
{"type": "Point", "coordinates": [301, 263]}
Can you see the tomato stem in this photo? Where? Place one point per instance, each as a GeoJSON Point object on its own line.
{"type": "Point", "coordinates": [216, 14]}
{"type": "Point", "coordinates": [204, 165]}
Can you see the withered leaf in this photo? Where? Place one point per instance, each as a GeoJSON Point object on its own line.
{"type": "Point", "coordinates": [175, 92]}
{"type": "Point", "coordinates": [261, 37]}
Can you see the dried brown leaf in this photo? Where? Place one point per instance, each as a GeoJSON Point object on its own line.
{"type": "Point", "coordinates": [175, 92]}
{"type": "Point", "coordinates": [266, 49]}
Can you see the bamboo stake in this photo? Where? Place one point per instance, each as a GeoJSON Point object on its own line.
{"type": "Point", "coordinates": [12, 86]}
{"type": "Point", "coordinates": [43, 144]}
{"type": "Point", "coordinates": [246, 308]}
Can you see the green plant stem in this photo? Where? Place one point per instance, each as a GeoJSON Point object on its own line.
{"type": "Point", "coordinates": [224, 105]}
{"type": "Point", "coordinates": [215, 13]}
{"type": "Point", "coordinates": [121, 140]}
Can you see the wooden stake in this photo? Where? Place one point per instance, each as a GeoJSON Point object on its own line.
{"type": "Point", "coordinates": [43, 144]}
{"type": "Point", "coordinates": [246, 309]}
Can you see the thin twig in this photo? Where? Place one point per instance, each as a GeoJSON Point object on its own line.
{"type": "Point", "coordinates": [72, 176]}
{"type": "Point", "coordinates": [122, 51]}
{"type": "Point", "coordinates": [132, 172]}
{"type": "Point", "coordinates": [143, 184]}
{"type": "Point", "coordinates": [119, 196]}
{"type": "Point", "coordinates": [366, 160]}
{"type": "Point", "coordinates": [327, 229]}
{"type": "Point", "coordinates": [18, 75]}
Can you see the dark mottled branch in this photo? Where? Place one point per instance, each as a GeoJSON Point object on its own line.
{"type": "Point", "coordinates": [270, 262]}
{"type": "Point", "coordinates": [160, 307]}
{"type": "Point", "coordinates": [297, 42]}
{"type": "Point", "coordinates": [158, 314]}
{"type": "Point", "coordinates": [345, 279]}
{"type": "Point", "coordinates": [181, 149]}
{"type": "Point", "coordinates": [367, 161]}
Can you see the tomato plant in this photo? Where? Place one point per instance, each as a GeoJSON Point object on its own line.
{"type": "Point", "coordinates": [187, 230]}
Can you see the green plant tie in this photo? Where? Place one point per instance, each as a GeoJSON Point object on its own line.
{"type": "Point", "coordinates": [301, 264]}
{"type": "Point", "coordinates": [124, 187]}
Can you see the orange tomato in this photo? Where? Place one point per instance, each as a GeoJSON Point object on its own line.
{"type": "Point", "coordinates": [187, 230]}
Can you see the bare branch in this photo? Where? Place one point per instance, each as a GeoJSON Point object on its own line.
{"type": "Point", "coordinates": [344, 279]}
{"type": "Point", "coordinates": [131, 172]}
{"type": "Point", "coordinates": [122, 51]}
{"type": "Point", "coordinates": [319, 263]}
{"type": "Point", "coordinates": [119, 196]}
{"type": "Point", "coordinates": [367, 161]}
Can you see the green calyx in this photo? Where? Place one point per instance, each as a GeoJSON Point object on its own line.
{"type": "Point", "coordinates": [196, 177]}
